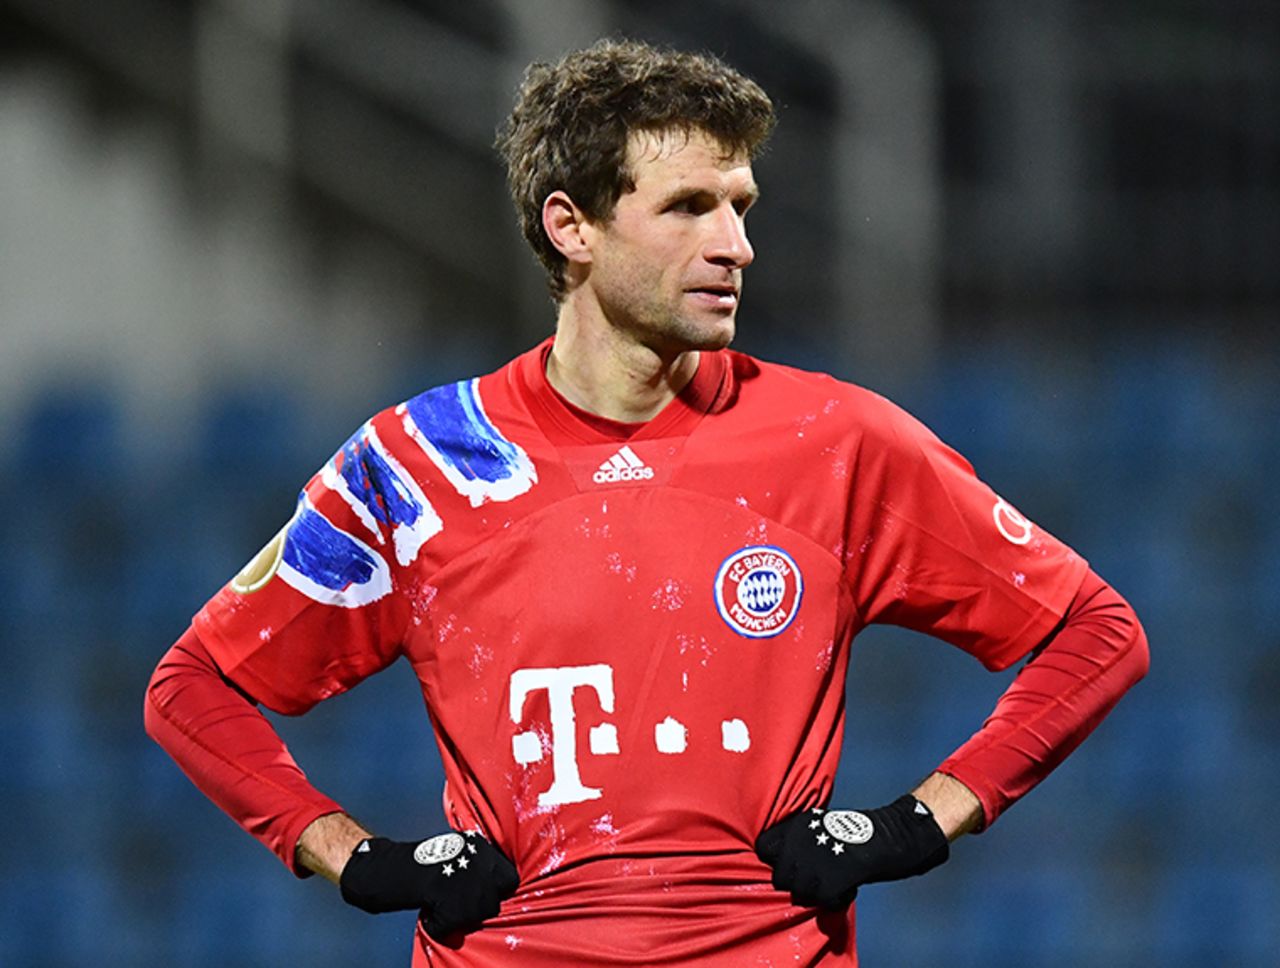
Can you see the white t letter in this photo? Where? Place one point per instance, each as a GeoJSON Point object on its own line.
{"type": "Point", "coordinates": [566, 785]}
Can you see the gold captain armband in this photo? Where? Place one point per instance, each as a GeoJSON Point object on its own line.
{"type": "Point", "coordinates": [262, 567]}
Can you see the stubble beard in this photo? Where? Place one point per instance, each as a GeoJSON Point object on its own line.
{"type": "Point", "coordinates": [642, 310]}
{"type": "Point", "coordinates": [691, 335]}
{"type": "Point", "coordinates": [669, 331]}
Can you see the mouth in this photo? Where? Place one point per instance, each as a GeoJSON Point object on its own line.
{"type": "Point", "coordinates": [721, 296]}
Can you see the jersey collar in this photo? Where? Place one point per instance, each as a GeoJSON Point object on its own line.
{"type": "Point", "coordinates": [564, 423]}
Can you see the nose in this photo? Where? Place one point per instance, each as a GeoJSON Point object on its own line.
{"type": "Point", "coordinates": [727, 243]}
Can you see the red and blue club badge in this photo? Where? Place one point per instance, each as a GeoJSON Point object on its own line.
{"type": "Point", "coordinates": [758, 591]}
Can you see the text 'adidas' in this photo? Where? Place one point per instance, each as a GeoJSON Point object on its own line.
{"type": "Point", "coordinates": [623, 466]}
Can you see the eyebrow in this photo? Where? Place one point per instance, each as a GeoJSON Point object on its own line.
{"type": "Point", "coordinates": [750, 195]}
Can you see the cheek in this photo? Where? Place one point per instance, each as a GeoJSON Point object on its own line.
{"type": "Point", "coordinates": [624, 280]}
{"type": "Point", "coordinates": [639, 270]}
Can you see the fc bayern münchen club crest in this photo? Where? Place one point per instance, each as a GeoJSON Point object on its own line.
{"type": "Point", "coordinates": [758, 591]}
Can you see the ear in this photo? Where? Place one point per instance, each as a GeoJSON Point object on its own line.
{"type": "Point", "coordinates": [567, 226]}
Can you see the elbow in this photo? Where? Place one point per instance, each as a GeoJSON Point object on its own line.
{"type": "Point", "coordinates": [1135, 657]}
{"type": "Point", "coordinates": [1138, 658]}
{"type": "Point", "coordinates": [165, 683]}
{"type": "Point", "coordinates": [152, 719]}
{"type": "Point", "coordinates": [1120, 626]}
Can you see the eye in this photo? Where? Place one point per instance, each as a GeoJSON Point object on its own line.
{"type": "Point", "coordinates": [696, 203]}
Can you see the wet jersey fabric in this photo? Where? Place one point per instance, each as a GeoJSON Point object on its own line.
{"type": "Point", "coordinates": [633, 640]}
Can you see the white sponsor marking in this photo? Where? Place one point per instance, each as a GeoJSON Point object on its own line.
{"type": "Point", "coordinates": [1010, 523]}
{"type": "Point", "coordinates": [560, 683]}
{"type": "Point", "coordinates": [670, 736]}
{"type": "Point", "coordinates": [734, 736]}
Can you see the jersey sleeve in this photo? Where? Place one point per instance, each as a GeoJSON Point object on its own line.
{"type": "Point", "coordinates": [932, 548]}
{"type": "Point", "coordinates": [1056, 701]}
{"type": "Point", "coordinates": [228, 749]}
{"type": "Point", "coordinates": [322, 605]}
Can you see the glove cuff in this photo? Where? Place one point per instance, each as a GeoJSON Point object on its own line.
{"type": "Point", "coordinates": [922, 827]}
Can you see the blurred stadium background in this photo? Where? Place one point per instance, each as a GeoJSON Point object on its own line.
{"type": "Point", "coordinates": [231, 229]}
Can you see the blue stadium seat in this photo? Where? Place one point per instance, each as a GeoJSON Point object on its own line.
{"type": "Point", "coordinates": [974, 915]}
{"type": "Point", "coordinates": [70, 433]}
{"type": "Point", "coordinates": [1031, 917]}
{"type": "Point", "coordinates": [54, 913]}
{"type": "Point", "coordinates": [1182, 744]}
{"type": "Point", "coordinates": [1218, 911]}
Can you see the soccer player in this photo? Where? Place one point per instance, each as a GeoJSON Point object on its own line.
{"type": "Point", "coordinates": [626, 568]}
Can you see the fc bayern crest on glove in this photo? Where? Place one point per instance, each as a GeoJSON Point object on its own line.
{"type": "Point", "coordinates": [454, 880]}
{"type": "Point", "coordinates": [821, 857]}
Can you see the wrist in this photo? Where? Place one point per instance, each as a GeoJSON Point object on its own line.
{"type": "Point", "coordinates": [327, 842]}
{"type": "Point", "coordinates": [955, 808]}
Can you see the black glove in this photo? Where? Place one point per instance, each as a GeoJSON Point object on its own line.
{"type": "Point", "coordinates": [822, 856]}
{"type": "Point", "coordinates": [454, 880]}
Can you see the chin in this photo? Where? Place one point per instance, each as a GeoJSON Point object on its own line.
{"type": "Point", "coordinates": [683, 335]}
{"type": "Point", "coordinates": [712, 336]}
{"type": "Point", "coordinates": [720, 339]}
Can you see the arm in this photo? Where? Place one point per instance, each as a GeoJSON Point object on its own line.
{"type": "Point", "coordinates": [955, 807]}
{"type": "Point", "coordinates": [1073, 680]}
{"type": "Point", "coordinates": [225, 745]}
{"type": "Point", "coordinates": [326, 844]}
{"type": "Point", "coordinates": [1071, 683]}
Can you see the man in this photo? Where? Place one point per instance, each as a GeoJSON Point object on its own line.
{"type": "Point", "coordinates": [627, 568]}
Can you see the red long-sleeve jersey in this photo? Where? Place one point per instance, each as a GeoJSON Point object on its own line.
{"type": "Point", "coordinates": [633, 641]}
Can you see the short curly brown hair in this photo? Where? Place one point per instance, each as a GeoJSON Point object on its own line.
{"type": "Point", "coordinates": [570, 125]}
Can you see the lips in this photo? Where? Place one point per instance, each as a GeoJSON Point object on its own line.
{"type": "Point", "coordinates": [716, 289]}
{"type": "Point", "coordinates": [719, 295]}
{"type": "Point", "coordinates": [722, 300]}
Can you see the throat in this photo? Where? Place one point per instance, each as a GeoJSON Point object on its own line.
{"type": "Point", "coordinates": [623, 390]}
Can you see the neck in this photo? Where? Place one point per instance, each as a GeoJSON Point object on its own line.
{"type": "Point", "coordinates": [607, 373]}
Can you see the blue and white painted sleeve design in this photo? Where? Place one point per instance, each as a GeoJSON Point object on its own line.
{"type": "Point", "coordinates": [450, 424]}
{"type": "Point", "coordinates": [327, 564]}
{"type": "Point", "coordinates": [345, 561]}
{"type": "Point", "coordinates": [334, 566]}
{"type": "Point", "coordinates": [382, 493]}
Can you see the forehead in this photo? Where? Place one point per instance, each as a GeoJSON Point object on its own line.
{"type": "Point", "coordinates": [677, 155]}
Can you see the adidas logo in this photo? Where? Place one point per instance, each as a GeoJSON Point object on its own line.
{"type": "Point", "coordinates": [623, 466]}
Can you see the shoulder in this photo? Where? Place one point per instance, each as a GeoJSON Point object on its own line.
{"type": "Point", "coordinates": [465, 432]}
{"type": "Point", "coordinates": [459, 403]}
{"type": "Point", "coordinates": [459, 410]}
{"type": "Point", "coordinates": [823, 400]}
{"type": "Point", "coordinates": [780, 379]}
{"type": "Point", "coordinates": [448, 427]}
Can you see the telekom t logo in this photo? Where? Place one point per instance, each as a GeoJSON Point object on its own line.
{"type": "Point", "coordinates": [566, 786]}
{"type": "Point", "coordinates": [669, 736]}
